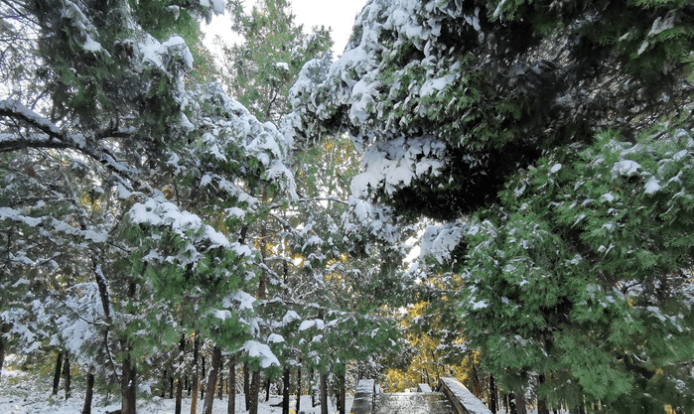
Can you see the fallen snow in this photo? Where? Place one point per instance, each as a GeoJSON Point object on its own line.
{"type": "Point", "coordinates": [21, 393]}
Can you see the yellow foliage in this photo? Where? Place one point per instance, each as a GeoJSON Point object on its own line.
{"type": "Point", "coordinates": [427, 365]}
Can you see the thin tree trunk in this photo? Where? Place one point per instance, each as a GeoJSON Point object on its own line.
{"type": "Point", "coordinates": [342, 392]}
{"type": "Point", "coordinates": [313, 391]}
{"type": "Point", "coordinates": [58, 372]}
{"type": "Point", "coordinates": [87, 409]}
{"type": "Point", "coordinates": [128, 387]}
{"type": "Point", "coordinates": [521, 405]}
{"type": "Point", "coordinates": [541, 403]}
{"type": "Point", "coordinates": [220, 391]}
{"type": "Point", "coordinates": [179, 382]}
{"type": "Point", "coordinates": [254, 391]}
{"type": "Point", "coordinates": [212, 379]}
{"type": "Point", "coordinates": [267, 389]}
{"type": "Point", "coordinates": [231, 407]}
{"type": "Point", "coordinates": [164, 382]}
{"type": "Point", "coordinates": [476, 379]}
{"type": "Point", "coordinates": [171, 386]}
{"type": "Point", "coordinates": [66, 372]}
{"type": "Point", "coordinates": [285, 392]}
{"type": "Point", "coordinates": [2, 348]}
{"type": "Point", "coordinates": [246, 385]}
{"type": "Point", "coordinates": [194, 400]}
{"type": "Point", "coordinates": [493, 403]}
{"type": "Point", "coordinates": [298, 388]}
{"type": "Point", "coordinates": [512, 403]}
{"type": "Point", "coordinates": [179, 395]}
{"type": "Point", "coordinates": [323, 393]}
{"type": "Point", "coordinates": [203, 377]}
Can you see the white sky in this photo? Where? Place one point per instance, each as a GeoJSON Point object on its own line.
{"type": "Point", "coordinates": [337, 14]}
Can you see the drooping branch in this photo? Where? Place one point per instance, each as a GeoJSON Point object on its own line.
{"type": "Point", "coordinates": [53, 137]}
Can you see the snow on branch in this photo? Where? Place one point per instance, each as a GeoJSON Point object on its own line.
{"type": "Point", "coordinates": [56, 138]}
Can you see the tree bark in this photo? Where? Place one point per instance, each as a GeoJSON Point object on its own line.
{"type": "Point", "coordinates": [313, 391]}
{"type": "Point", "coordinates": [541, 403]}
{"type": "Point", "coordinates": [179, 382]}
{"type": "Point", "coordinates": [267, 389]}
{"type": "Point", "coordinates": [476, 379]}
{"type": "Point", "coordinates": [2, 348]}
{"type": "Point", "coordinates": [128, 387]}
{"type": "Point", "coordinates": [254, 391]}
{"type": "Point", "coordinates": [285, 391]}
{"type": "Point", "coordinates": [171, 386]}
{"type": "Point", "coordinates": [66, 372]}
{"type": "Point", "coordinates": [246, 385]}
{"type": "Point", "coordinates": [298, 388]}
{"type": "Point", "coordinates": [212, 379]}
{"type": "Point", "coordinates": [323, 393]}
{"type": "Point", "coordinates": [342, 392]}
{"type": "Point", "coordinates": [179, 396]}
{"type": "Point", "coordinates": [493, 403]}
{"type": "Point", "coordinates": [203, 377]}
{"type": "Point", "coordinates": [87, 409]}
{"type": "Point", "coordinates": [194, 400]}
{"type": "Point", "coordinates": [521, 405]}
{"type": "Point", "coordinates": [512, 403]}
{"type": "Point", "coordinates": [164, 382]}
{"type": "Point", "coordinates": [220, 391]}
{"type": "Point", "coordinates": [58, 372]}
{"type": "Point", "coordinates": [231, 407]}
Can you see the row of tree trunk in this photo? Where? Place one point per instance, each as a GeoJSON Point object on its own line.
{"type": "Point", "coordinates": [514, 403]}
{"type": "Point", "coordinates": [128, 383]}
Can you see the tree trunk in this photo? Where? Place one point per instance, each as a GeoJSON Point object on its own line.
{"type": "Point", "coordinates": [179, 382]}
{"type": "Point", "coordinates": [252, 398]}
{"type": "Point", "coordinates": [298, 388]}
{"type": "Point", "coordinates": [246, 385]}
{"type": "Point", "coordinates": [171, 386]}
{"type": "Point", "coordinates": [342, 397]}
{"type": "Point", "coordinates": [323, 394]}
{"type": "Point", "coordinates": [203, 377]}
{"type": "Point", "coordinates": [179, 395]}
{"type": "Point", "coordinates": [164, 382]}
{"type": "Point", "coordinates": [493, 403]}
{"type": "Point", "coordinates": [285, 392]}
{"type": "Point", "coordinates": [212, 379]}
{"type": "Point", "coordinates": [313, 390]}
{"type": "Point", "coordinates": [220, 391]}
{"type": "Point", "coordinates": [87, 409]}
{"type": "Point", "coordinates": [521, 406]}
{"type": "Point", "coordinates": [541, 403]}
{"type": "Point", "coordinates": [231, 407]}
{"type": "Point", "coordinates": [58, 372]}
{"type": "Point", "coordinates": [128, 387]}
{"type": "Point", "coordinates": [66, 372]}
{"type": "Point", "coordinates": [267, 389]}
{"type": "Point", "coordinates": [2, 348]}
{"type": "Point", "coordinates": [194, 400]}
{"type": "Point", "coordinates": [476, 379]}
{"type": "Point", "coordinates": [512, 403]}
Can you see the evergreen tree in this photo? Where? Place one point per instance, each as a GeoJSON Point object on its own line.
{"type": "Point", "coordinates": [550, 142]}
{"type": "Point", "coordinates": [260, 70]}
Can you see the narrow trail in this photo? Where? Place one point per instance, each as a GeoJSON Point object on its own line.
{"type": "Point", "coordinates": [412, 403]}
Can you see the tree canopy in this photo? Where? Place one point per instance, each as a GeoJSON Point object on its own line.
{"type": "Point", "coordinates": [539, 153]}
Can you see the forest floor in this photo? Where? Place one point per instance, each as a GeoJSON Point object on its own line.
{"type": "Point", "coordinates": [23, 393]}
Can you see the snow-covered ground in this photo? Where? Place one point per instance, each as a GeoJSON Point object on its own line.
{"type": "Point", "coordinates": [21, 393]}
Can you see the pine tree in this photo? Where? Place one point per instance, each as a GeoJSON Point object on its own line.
{"type": "Point", "coordinates": [260, 70]}
{"type": "Point", "coordinates": [549, 142]}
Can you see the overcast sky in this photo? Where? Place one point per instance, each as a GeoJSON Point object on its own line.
{"type": "Point", "coordinates": [336, 14]}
